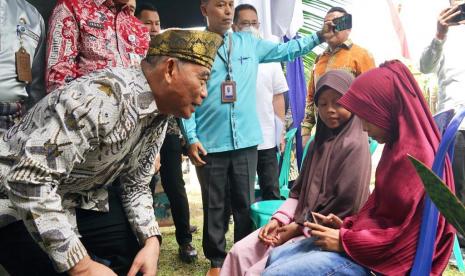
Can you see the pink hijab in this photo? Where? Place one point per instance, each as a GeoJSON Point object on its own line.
{"type": "Point", "coordinates": [383, 236]}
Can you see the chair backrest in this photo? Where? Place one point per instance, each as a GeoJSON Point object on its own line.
{"type": "Point", "coordinates": [286, 163]}
{"type": "Point", "coordinates": [425, 248]}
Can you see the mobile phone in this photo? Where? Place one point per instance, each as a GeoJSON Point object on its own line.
{"type": "Point", "coordinates": [343, 23]}
{"type": "Point", "coordinates": [310, 217]}
{"type": "Point", "coordinates": [461, 16]}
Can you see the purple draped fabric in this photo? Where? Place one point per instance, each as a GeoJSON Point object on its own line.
{"type": "Point", "coordinates": [297, 93]}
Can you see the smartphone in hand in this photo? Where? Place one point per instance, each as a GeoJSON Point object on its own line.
{"type": "Point", "coordinates": [461, 16]}
{"type": "Point", "coordinates": [343, 23]}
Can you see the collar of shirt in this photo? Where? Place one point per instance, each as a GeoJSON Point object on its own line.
{"type": "Point", "coordinates": [109, 3]}
{"type": "Point", "coordinates": [146, 105]}
{"type": "Point", "coordinates": [346, 45]}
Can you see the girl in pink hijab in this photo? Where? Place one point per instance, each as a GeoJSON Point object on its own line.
{"type": "Point", "coordinates": [383, 235]}
{"type": "Point", "coordinates": [335, 179]}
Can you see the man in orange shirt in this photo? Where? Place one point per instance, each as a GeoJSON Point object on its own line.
{"type": "Point", "coordinates": [341, 53]}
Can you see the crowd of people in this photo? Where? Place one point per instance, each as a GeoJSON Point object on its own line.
{"type": "Point", "coordinates": [93, 109]}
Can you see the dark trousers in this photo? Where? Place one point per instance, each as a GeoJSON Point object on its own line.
{"type": "Point", "coordinates": [267, 170]}
{"type": "Point", "coordinates": [107, 237]}
{"type": "Point", "coordinates": [227, 183]}
{"type": "Point", "coordinates": [174, 186]}
{"type": "Point", "coordinates": [458, 166]}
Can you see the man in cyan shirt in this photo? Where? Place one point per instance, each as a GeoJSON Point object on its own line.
{"type": "Point", "coordinates": [223, 134]}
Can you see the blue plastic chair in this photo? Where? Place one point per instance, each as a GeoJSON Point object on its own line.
{"type": "Point", "coordinates": [425, 248]}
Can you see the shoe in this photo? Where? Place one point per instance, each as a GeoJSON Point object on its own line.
{"type": "Point", "coordinates": [187, 253]}
{"type": "Point", "coordinates": [214, 271]}
{"type": "Point", "coordinates": [193, 229]}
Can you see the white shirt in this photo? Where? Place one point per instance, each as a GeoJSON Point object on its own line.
{"type": "Point", "coordinates": [447, 59]}
{"type": "Point", "coordinates": [270, 81]}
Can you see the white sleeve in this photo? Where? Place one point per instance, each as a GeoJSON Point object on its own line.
{"type": "Point", "coordinates": [279, 80]}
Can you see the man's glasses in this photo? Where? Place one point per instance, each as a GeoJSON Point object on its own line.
{"type": "Point", "coordinates": [248, 24]}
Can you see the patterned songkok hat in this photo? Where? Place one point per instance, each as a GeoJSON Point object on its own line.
{"type": "Point", "coordinates": [195, 46]}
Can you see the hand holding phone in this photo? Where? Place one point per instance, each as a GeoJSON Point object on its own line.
{"type": "Point", "coordinates": [460, 16]}
{"type": "Point", "coordinates": [343, 23]}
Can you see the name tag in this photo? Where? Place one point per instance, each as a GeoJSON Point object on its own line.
{"type": "Point", "coordinates": [95, 25]}
{"type": "Point", "coordinates": [228, 91]}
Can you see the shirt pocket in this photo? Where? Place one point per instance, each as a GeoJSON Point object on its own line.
{"type": "Point", "coordinates": [93, 41]}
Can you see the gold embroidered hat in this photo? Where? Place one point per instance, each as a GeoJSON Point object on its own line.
{"type": "Point", "coordinates": [195, 46]}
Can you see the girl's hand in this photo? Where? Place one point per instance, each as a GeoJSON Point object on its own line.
{"type": "Point", "coordinates": [330, 220]}
{"type": "Point", "coordinates": [286, 233]}
{"type": "Point", "coordinates": [325, 237]}
{"type": "Point", "coordinates": [269, 232]}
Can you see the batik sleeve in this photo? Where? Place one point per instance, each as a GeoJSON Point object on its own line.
{"type": "Point", "coordinates": [55, 135]}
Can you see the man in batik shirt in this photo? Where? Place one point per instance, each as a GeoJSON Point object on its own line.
{"type": "Point", "coordinates": [88, 35]}
{"type": "Point", "coordinates": [102, 128]}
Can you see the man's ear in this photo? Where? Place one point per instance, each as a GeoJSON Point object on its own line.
{"type": "Point", "coordinates": [203, 10]}
{"type": "Point", "coordinates": [169, 67]}
{"type": "Point", "coordinates": [235, 27]}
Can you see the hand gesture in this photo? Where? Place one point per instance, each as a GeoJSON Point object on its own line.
{"type": "Point", "coordinates": [325, 237]}
{"type": "Point", "coordinates": [286, 233]}
{"type": "Point", "coordinates": [269, 232]}
{"type": "Point", "coordinates": [330, 220]}
{"type": "Point", "coordinates": [445, 21]}
{"type": "Point", "coordinates": [146, 259]}
{"type": "Point", "coordinates": [194, 152]}
{"type": "Point", "coordinates": [88, 267]}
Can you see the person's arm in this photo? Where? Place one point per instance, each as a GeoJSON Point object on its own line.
{"type": "Point", "coordinates": [270, 52]}
{"type": "Point", "coordinates": [137, 200]}
{"type": "Point", "coordinates": [55, 134]}
{"type": "Point", "coordinates": [309, 121]}
{"type": "Point", "coordinates": [62, 47]}
{"type": "Point", "coordinates": [431, 56]}
{"type": "Point", "coordinates": [37, 88]}
{"type": "Point", "coordinates": [279, 106]}
{"type": "Point", "coordinates": [279, 88]}
{"type": "Point", "coordinates": [136, 196]}
{"type": "Point", "coordinates": [189, 129]}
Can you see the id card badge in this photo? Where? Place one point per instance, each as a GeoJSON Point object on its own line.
{"type": "Point", "coordinates": [23, 65]}
{"type": "Point", "coordinates": [228, 91]}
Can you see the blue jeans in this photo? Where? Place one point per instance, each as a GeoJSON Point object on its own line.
{"type": "Point", "coordinates": [305, 258]}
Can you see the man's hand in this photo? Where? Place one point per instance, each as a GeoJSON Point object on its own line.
{"type": "Point", "coordinates": [146, 260]}
{"type": "Point", "coordinates": [325, 237]}
{"type": "Point", "coordinates": [286, 233]}
{"type": "Point", "coordinates": [269, 232]}
{"type": "Point", "coordinates": [327, 31]}
{"type": "Point", "coordinates": [88, 267]}
{"type": "Point", "coordinates": [444, 21]}
{"type": "Point", "coordinates": [157, 164]}
{"type": "Point", "coordinates": [194, 154]}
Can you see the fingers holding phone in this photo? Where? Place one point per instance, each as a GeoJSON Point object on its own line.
{"type": "Point", "coordinates": [451, 16]}
{"type": "Point", "coordinates": [325, 237]}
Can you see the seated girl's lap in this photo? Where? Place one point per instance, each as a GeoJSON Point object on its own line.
{"type": "Point", "coordinates": [304, 258]}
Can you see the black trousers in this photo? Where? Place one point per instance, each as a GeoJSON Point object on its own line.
{"type": "Point", "coordinates": [267, 170]}
{"type": "Point", "coordinates": [174, 186]}
{"type": "Point", "coordinates": [227, 183]}
{"type": "Point", "coordinates": [458, 166]}
{"type": "Point", "coordinates": [107, 237]}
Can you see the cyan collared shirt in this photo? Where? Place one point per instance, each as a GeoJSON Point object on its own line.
{"type": "Point", "coordinates": [230, 126]}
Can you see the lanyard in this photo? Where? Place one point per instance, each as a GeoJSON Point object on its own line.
{"type": "Point", "coordinates": [228, 62]}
